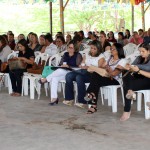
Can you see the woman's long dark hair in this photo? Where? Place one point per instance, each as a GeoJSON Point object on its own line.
{"type": "Point", "coordinates": [98, 45]}
{"type": "Point", "coordinates": [3, 41]}
{"type": "Point", "coordinates": [120, 50]}
{"type": "Point", "coordinates": [24, 43]}
{"type": "Point", "coordinates": [146, 46]}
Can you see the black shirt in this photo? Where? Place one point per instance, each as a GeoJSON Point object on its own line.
{"type": "Point", "coordinates": [28, 54]}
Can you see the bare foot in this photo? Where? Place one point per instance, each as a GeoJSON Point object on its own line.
{"type": "Point", "coordinates": [125, 116]}
{"type": "Point", "coordinates": [17, 94]}
{"type": "Point", "coordinates": [12, 94]}
{"type": "Point", "coordinates": [131, 95]}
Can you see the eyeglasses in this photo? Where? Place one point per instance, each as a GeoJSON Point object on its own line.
{"type": "Point", "coordinates": [71, 47]}
{"type": "Point", "coordinates": [58, 41]}
{"type": "Point", "coordinates": [112, 49]}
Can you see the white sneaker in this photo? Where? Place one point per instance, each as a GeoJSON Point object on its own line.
{"type": "Point", "coordinates": [69, 103]}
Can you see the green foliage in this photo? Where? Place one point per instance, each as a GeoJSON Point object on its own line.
{"type": "Point", "coordinates": [24, 16]}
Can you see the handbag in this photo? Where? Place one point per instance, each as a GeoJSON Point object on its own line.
{"type": "Point", "coordinates": [36, 68]}
{"type": "Point", "coordinates": [47, 71]}
{"type": "Point", "coordinates": [3, 67]}
{"type": "Point", "coordinates": [15, 63]}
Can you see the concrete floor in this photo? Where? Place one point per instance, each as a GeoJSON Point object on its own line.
{"type": "Point", "coordinates": [33, 125]}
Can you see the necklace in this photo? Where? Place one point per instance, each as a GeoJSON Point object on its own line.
{"type": "Point", "coordinates": [113, 62]}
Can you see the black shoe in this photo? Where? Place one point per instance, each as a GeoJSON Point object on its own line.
{"type": "Point", "coordinates": [55, 102]}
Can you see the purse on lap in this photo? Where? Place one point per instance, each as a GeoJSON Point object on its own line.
{"type": "Point", "coordinates": [15, 63]}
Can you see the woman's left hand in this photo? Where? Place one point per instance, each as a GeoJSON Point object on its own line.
{"type": "Point", "coordinates": [134, 68]}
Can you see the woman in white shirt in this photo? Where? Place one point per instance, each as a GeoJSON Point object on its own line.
{"type": "Point", "coordinates": [4, 49]}
{"type": "Point", "coordinates": [81, 76]}
{"type": "Point", "coordinates": [113, 69]}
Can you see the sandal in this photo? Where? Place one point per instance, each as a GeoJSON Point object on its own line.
{"type": "Point", "coordinates": [90, 111]}
{"type": "Point", "coordinates": [90, 97]}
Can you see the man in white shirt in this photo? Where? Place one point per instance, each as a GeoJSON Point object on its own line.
{"type": "Point", "coordinates": [51, 49]}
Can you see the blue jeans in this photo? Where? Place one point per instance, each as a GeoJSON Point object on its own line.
{"type": "Point", "coordinates": [80, 80]}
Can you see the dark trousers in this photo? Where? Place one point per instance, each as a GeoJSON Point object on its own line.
{"type": "Point", "coordinates": [134, 83]}
{"type": "Point", "coordinates": [97, 81]}
{"type": "Point", "coordinates": [80, 80]}
{"type": "Point", "coordinates": [16, 79]}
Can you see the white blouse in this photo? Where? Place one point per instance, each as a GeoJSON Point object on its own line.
{"type": "Point", "coordinates": [92, 61]}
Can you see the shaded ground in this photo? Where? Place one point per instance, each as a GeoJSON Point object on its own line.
{"type": "Point", "coordinates": [33, 125]}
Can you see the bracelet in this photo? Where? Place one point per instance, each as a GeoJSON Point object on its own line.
{"type": "Point", "coordinates": [138, 71]}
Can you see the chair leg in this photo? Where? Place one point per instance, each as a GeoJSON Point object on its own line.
{"type": "Point", "coordinates": [139, 101]}
{"type": "Point", "coordinates": [76, 93]}
{"type": "Point", "coordinates": [46, 87]}
{"type": "Point", "coordinates": [102, 98]}
{"type": "Point", "coordinates": [122, 93]}
{"type": "Point", "coordinates": [32, 89]}
{"type": "Point", "coordinates": [109, 96]}
{"type": "Point", "coordinates": [114, 99]}
{"type": "Point", "coordinates": [25, 86]}
{"type": "Point", "coordinates": [9, 85]}
{"type": "Point", "coordinates": [146, 99]}
{"type": "Point", "coordinates": [63, 88]}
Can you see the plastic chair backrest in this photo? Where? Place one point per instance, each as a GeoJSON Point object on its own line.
{"type": "Point", "coordinates": [54, 60]}
{"type": "Point", "coordinates": [129, 49]}
{"type": "Point", "coordinates": [37, 53]}
{"type": "Point", "coordinates": [41, 57]}
{"type": "Point", "coordinates": [11, 55]}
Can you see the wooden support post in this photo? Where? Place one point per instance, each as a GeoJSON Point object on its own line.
{"type": "Point", "coordinates": [132, 18]}
{"type": "Point", "coordinates": [51, 21]}
{"type": "Point", "coordinates": [61, 16]}
{"type": "Point", "coordinates": [143, 16]}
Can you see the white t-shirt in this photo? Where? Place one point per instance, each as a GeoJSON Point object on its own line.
{"type": "Point", "coordinates": [4, 53]}
{"type": "Point", "coordinates": [51, 49]}
{"type": "Point", "coordinates": [92, 61]}
{"type": "Point", "coordinates": [120, 62]}
{"type": "Point", "coordinates": [106, 55]}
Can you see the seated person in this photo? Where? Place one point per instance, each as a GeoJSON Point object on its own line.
{"type": "Point", "coordinates": [136, 39]}
{"type": "Point", "coordinates": [27, 56]}
{"type": "Point", "coordinates": [51, 49]}
{"type": "Point", "coordinates": [34, 43]}
{"type": "Point", "coordinates": [60, 43]}
{"type": "Point", "coordinates": [5, 50]}
{"type": "Point", "coordinates": [71, 58]}
{"type": "Point", "coordinates": [138, 80]}
{"type": "Point", "coordinates": [112, 69]}
{"type": "Point", "coordinates": [11, 41]}
{"type": "Point", "coordinates": [82, 76]}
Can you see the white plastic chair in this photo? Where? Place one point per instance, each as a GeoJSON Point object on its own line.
{"type": "Point", "coordinates": [6, 78]}
{"type": "Point", "coordinates": [33, 78]}
{"type": "Point", "coordinates": [146, 94]}
{"type": "Point", "coordinates": [129, 49]}
{"type": "Point", "coordinates": [110, 93]}
{"type": "Point", "coordinates": [37, 53]}
{"type": "Point", "coordinates": [57, 58]}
